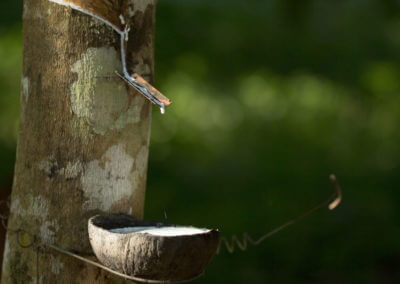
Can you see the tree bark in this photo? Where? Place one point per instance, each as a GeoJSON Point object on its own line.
{"type": "Point", "coordinates": [83, 137]}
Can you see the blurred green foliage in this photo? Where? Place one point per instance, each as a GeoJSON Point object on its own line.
{"type": "Point", "coordinates": [270, 97]}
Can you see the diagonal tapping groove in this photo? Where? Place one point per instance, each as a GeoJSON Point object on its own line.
{"type": "Point", "coordinates": [109, 13]}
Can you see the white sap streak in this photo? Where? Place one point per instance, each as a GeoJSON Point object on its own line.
{"type": "Point", "coordinates": [161, 231]}
{"type": "Point", "coordinates": [76, 7]}
{"type": "Point", "coordinates": [122, 19]}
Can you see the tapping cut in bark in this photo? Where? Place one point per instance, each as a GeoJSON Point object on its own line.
{"type": "Point", "coordinates": [114, 14]}
{"type": "Point", "coordinates": [107, 11]}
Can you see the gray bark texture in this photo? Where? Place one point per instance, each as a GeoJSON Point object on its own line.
{"type": "Point", "coordinates": [83, 138]}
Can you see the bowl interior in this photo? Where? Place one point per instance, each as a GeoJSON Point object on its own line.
{"type": "Point", "coordinates": [115, 221]}
{"type": "Point", "coordinates": [125, 224]}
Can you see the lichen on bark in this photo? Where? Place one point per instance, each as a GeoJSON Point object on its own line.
{"type": "Point", "coordinates": [100, 97]}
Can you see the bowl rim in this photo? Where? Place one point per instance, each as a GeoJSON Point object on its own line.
{"type": "Point", "coordinates": [143, 223]}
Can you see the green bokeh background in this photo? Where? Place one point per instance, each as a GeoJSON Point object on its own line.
{"type": "Point", "coordinates": [270, 97]}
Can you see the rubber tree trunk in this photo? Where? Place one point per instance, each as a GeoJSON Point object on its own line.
{"type": "Point", "coordinates": [83, 137]}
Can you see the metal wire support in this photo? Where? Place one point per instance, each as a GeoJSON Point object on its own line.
{"type": "Point", "coordinates": [128, 277]}
{"type": "Point", "coordinates": [27, 240]}
{"type": "Point", "coordinates": [242, 243]}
